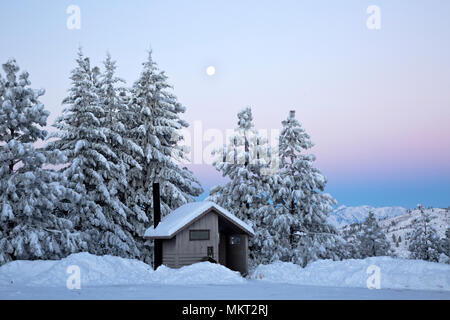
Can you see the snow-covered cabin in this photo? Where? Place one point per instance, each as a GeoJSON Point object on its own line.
{"type": "Point", "coordinates": [201, 231]}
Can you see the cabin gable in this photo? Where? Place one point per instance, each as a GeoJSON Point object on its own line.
{"type": "Point", "coordinates": [192, 250]}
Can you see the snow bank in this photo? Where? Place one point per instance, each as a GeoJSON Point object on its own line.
{"type": "Point", "coordinates": [395, 273]}
{"type": "Point", "coordinates": [110, 270]}
{"type": "Point", "coordinates": [101, 271]}
{"type": "Point", "coordinates": [199, 273]}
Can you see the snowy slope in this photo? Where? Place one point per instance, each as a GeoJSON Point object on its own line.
{"type": "Point", "coordinates": [402, 226]}
{"type": "Point", "coordinates": [343, 215]}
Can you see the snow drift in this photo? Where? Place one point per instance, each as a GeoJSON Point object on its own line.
{"type": "Point", "coordinates": [198, 273]}
{"type": "Point", "coordinates": [102, 271]}
{"type": "Point", "coordinates": [109, 270]}
{"type": "Point", "coordinates": [395, 273]}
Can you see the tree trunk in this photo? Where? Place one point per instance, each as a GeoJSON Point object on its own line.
{"type": "Point", "coordinates": [11, 165]}
{"type": "Point", "coordinates": [291, 231]}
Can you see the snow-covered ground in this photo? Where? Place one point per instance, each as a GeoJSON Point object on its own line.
{"type": "Point", "coordinates": [109, 277]}
{"type": "Point", "coordinates": [251, 290]}
{"type": "Point", "coordinates": [394, 273]}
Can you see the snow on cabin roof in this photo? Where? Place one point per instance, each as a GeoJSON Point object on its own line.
{"type": "Point", "coordinates": [182, 216]}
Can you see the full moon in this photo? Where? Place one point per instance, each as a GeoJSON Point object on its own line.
{"type": "Point", "coordinates": [210, 71]}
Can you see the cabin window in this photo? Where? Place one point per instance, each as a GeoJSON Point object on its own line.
{"type": "Point", "coordinates": [198, 234]}
{"type": "Point", "coordinates": [235, 240]}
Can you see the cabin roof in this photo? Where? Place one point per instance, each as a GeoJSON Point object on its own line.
{"type": "Point", "coordinates": [178, 219]}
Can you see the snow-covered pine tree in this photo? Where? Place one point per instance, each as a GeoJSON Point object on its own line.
{"type": "Point", "coordinates": [155, 124]}
{"type": "Point", "coordinates": [371, 240]}
{"type": "Point", "coordinates": [350, 235]}
{"type": "Point", "coordinates": [93, 169]}
{"type": "Point", "coordinates": [300, 204]}
{"type": "Point", "coordinates": [424, 241]}
{"type": "Point", "coordinates": [446, 242]}
{"type": "Point", "coordinates": [445, 248]}
{"type": "Point", "coordinates": [242, 161]}
{"type": "Point", "coordinates": [118, 126]}
{"type": "Point", "coordinates": [29, 227]}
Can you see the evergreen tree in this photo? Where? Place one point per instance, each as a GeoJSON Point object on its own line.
{"type": "Point", "coordinates": [350, 235]}
{"type": "Point", "coordinates": [300, 199]}
{"type": "Point", "coordinates": [242, 161]}
{"type": "Point", "coordinates": [154, 127]}
{"type": "Point", "coordinates": [94, 169]}
{"type": "Point", "coordinates": [371, 239]}
{"type": "Point", "coordinates": [445, 248]}
{"type": "Point", "coordinates": [446, 242]}
{"type": "Point", "coordinates": [424, 241]}
{"type": "Point", "coordinates": [118, 128]}
{"type": "Point", "coordinates": [29, 227]}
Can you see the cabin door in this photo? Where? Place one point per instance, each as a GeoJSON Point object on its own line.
{"type": "Point", "coordinates": [223, 249]}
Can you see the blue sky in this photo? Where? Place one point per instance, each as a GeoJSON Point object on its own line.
{"type": "Point", "coordinates": [376, 102]}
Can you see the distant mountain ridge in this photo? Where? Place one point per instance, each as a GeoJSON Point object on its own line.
{"type": "Point", "coordinates": [344, 215]}
{"type": "Point", "coordinates": [396, 222]}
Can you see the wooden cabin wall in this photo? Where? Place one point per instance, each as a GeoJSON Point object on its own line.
{"type": "Point", "coordinates": [170, 253]}
{"type": "Point", "coordinates": [189, 252]}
